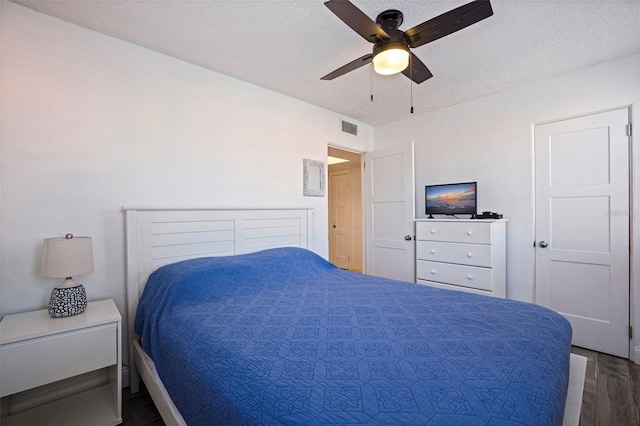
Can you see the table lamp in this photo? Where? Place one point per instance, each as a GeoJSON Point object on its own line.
{"type": "Point", "coordinates": [64, 258]}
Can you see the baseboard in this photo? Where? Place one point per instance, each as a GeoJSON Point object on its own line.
{"type": "Point", "coordinates": [635, 355]}
{"type": "Point", "coordinates": [125, 376]}
{"type": "Point", "coordinates": [52, 392]}
{"type": "Point", "coordinates": [32, 398]}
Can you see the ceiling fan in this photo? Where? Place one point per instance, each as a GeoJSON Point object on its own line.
{"type": "Point", "coordinates": [391, 46]}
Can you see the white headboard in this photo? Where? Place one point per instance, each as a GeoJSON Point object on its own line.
{"type": "Point", "coordinates": [159, 236]}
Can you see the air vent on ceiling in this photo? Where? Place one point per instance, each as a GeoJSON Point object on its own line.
{"type": "Point", "coordinates": [349, 128]}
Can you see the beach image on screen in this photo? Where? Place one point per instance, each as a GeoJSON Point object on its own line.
{"type": "Point", "coordinates": [451, 199]}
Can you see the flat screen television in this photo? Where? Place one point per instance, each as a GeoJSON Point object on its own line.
{"type": "Point", "coordinates": [451, 199]}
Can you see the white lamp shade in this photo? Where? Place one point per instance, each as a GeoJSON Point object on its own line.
{"type": "Point", "coordinates": [66, 257]}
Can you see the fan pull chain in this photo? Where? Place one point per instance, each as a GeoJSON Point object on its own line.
{"type": "Point", "coordinates": [371, 81]}
{"type": "Point", "coordinates": [411, 82]}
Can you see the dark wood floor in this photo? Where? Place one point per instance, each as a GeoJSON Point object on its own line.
{"type": "Point", "coordinates": [138, 409]}
{"type": "Point", "coordinates": [611, 391]}
{"type": "Point", "coordinates": [611, 395]}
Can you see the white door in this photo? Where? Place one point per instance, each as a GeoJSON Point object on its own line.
{"type": "Point", "coordinates": [389, 212]}
{"type": "Point", "coordinates": [582, 227]}
{"type": "Point", "coordinates": [340, 219]}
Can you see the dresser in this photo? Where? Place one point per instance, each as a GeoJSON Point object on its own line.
{"type": "Point", "coordinates": [462, 254]}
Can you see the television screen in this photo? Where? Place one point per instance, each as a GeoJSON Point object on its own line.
{"type": "Point", "coordinates": [452, 199]}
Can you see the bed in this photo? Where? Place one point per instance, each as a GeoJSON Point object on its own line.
{"type": "Point", "coordinates": [239, 323]}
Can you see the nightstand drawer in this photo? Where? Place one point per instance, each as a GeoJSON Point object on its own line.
{"type": "Point", "coordinates": [463, 232]}
{"type": "Point", "coordinates": [447, 273]}
{"type": "Point", "coordinates": [463, 254]}
{"type": "Point", "coordinates": [38, 361]}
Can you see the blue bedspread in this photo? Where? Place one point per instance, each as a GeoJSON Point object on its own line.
{"type": "Point", "coordinates": [284, 337]}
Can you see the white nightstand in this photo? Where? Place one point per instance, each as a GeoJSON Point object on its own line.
{"type": "Point", "coordinates": [36, 350]}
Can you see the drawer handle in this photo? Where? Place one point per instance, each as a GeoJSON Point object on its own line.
{"type": "Point", "coordinates": [469, 254]}
{"type": "Point", "coordinates": [469, 277]}
{"type": "Point", "coordinates": [433, 251]}
{"type": "Point", "coordinates": [433, 272]}
{"type": "Point", "coordinates": [469, 232]}
{"type": "Point", "coordinates": [433, 231]}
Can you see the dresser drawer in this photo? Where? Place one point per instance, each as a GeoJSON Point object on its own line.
{"type": "Point", "coordinates": [466, 276]}
{"type": "Point", "coordinates": [38, 361]}
{"type": "Point", "coordinates": [465, 254]}
{"type": "Point", "coordinates": [454, 287]}
{"type": "Point", "coordinates": [459, 232]}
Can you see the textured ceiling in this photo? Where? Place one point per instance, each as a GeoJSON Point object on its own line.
{"type": "Point", "coordinates": [287, 45]}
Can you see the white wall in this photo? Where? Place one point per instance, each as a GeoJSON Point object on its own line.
{"type": "Point", "coordinates": [91, 124]}
{"type": "Point", "coordinates": [489, 139]}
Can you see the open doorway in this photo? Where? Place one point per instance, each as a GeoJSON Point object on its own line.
{"type": "Point", "coordinates": [345, 209]}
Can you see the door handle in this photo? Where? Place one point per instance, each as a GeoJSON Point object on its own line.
{"type": "Point", "coordinates": [543, 244]}
{"type": "Point", "coordinates": [408, 237]}
{"type": "Point", "coordinates": [334, 225]}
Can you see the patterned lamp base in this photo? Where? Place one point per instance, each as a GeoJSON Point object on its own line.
{"type": "Point", "coordinates": [68, 301]}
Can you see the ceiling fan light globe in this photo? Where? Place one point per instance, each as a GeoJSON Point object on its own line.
{"type": "Point", "coordinates": [391, 61]}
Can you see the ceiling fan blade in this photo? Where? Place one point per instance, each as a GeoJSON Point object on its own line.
{"type": "Point", "coordinates": [417, 70]}
{"type": "Point", "coordinates": [357, 20]}
{"type": "Point", "coordinates": [448, 23]}
{"type": "Point", "coordinates": [364, 60]}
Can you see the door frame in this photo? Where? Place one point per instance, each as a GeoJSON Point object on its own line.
{"type": "Point", "coordinates": [634, 212]}
{"type": "Point", "coordinates": [634, 272]}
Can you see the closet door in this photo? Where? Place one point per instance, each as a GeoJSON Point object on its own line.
{"type": "Point", "coordinates": [582, 227]}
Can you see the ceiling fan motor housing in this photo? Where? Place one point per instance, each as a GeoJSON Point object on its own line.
{"type": "Point", "coordinates": [396, 41]}
{"type": "Point", "coordinates": [382, 45]}
{"type": "Point", "coordinates": [390, 19]}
